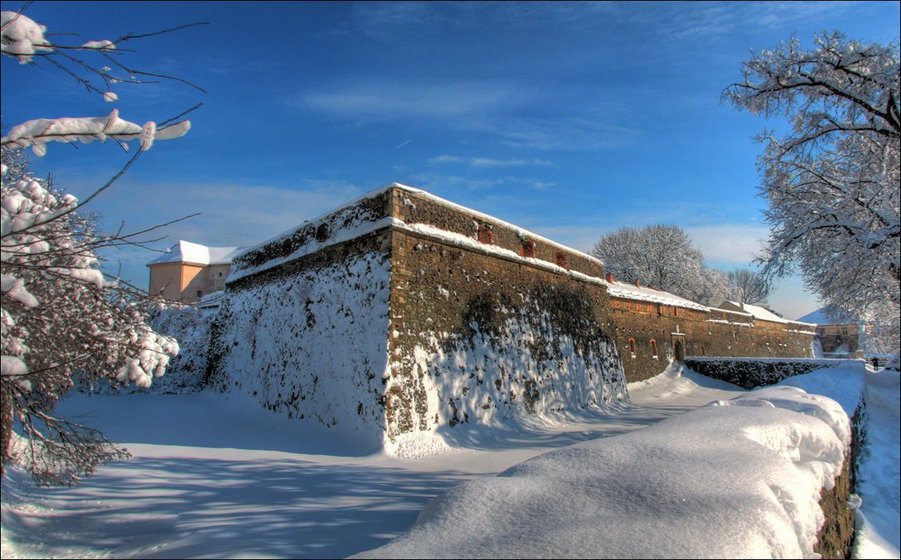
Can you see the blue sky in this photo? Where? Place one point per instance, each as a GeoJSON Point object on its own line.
{"type": "Point", "coordinates": [568, 119]}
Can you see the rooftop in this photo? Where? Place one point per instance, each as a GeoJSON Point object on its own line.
{"type": "Point", "coordinates": [195, 253]}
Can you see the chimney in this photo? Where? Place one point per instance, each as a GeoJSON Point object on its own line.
{"type": "Point", "coordinates": [610, 277]}
{"type": "Point", "coordinates": [637, 283]}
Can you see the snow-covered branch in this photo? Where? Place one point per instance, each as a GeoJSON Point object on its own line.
{"type": "Point", "coordinates": [38, 132]}
{"type": "Point", "coordinates": [60, 314]}
{"type": "Point", "coordinates": [832, 182]}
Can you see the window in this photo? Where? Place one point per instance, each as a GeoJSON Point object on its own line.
{"type": "Point", "coordinates": [199, 293]}
{"type": "Point", "coordinates": [486, 234]}
{"type": "Point", "coordinates": [322, 232]}
{"type": "Point", "coordinates": [562, 259]}
{"type": "Point", "coordinates": [654, 348]}
{"type": "Point", "coordinates": [528, 248]}
{"type": "Point", "coordinates": [632, 347]}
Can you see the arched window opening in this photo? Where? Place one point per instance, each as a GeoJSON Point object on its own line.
{"type": "Point", "coordinates": [632, 347]}
{"type": "Point", "coordinates": [654, 348]}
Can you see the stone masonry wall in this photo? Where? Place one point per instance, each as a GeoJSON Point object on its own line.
{"type": "Point", "coordinates": [416, 208]}
{"type": "Point", "coordinates": [403, 313]}
{"type": "Point", "coordinates": [487, 340]}
{"type": "Point", "coordinates": [714, 333]}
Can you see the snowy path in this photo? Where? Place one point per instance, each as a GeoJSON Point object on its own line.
{"type": "Point", "coordinates": [217, 478]}
{"type": "Point", "coordinates": [221, 478]}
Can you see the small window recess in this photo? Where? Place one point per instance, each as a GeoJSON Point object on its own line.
{"type": "Point", "coordinates": [562, 259]}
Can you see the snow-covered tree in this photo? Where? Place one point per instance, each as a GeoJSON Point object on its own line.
{"type": "Point", "coordinates": [662, 257]}
{"type": "Point", "coordinates": [60, 315]}
{"type": "Point", "coordinates": [832, 181]}
{"type": "Point", "coordinates": [747, 286]}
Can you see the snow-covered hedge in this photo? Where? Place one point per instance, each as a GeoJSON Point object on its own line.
{"type": "Point", "coordinates": [757, 372]}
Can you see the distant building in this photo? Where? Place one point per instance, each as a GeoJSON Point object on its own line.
{"type": "Point", "coordinates": [838, 339]}
{"type": "Point", "coordinates": [189, 271]}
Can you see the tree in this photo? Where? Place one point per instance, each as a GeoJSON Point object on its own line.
{"type": "Point", "coordinates": [60, 315]}
{"type": "Point", "coordinates": [662, 257]}
{"type": "Point", "coordinates": [832, 180]}
{"type": "Point", "coordinates": [747, 286]}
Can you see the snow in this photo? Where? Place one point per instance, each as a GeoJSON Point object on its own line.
{"type": "Point", "coordinates": [817, 317]}
{"type": "Point", "coordinates": [641, 293]}
{"type": "Point", "coordinates": [312, 345]}
{"type": "Point", "coordinates": [38, 132]}
{"type": "Point", "coordinates": [695, 485]}
{"type": "Point", "coordinates": [22, 37]}
{"type": "Point", "coordinates": [271, 487]}
{"type": "Point", "coordinates": [760, 313]}
{"type": "Point", "coordinates": [195, 253]}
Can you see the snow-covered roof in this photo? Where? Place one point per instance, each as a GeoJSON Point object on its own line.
{"type": "Point", "coordinates": [195, 253]}
{"type": "Point", "coordinates": [820, 317]}
{"type": "Point", "coordinates": [758, 312]}
{"type": "Point", "coordinates": [641, 293]}
{"type": "Point", "coordinates": [817, 317]}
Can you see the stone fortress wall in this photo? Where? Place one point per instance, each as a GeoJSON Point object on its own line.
{"type": "Point", "coordinates": [470, 320]}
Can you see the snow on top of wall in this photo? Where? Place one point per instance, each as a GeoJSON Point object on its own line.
{"type": "Point", "coordinates": [195, 253]}
{"type": "Point", "coordinates": [764, 314]}
{"type": "Point", "coordinates": [356, 229]}
{"type": "Point", "coordinates": [522, 232]}
{"type": "Point", "coordinates": [359, 228]}
{"type": "Point", "coordinates": [631, 291]}
{"type": "Point", "coordinates": [322, 217]}
{"type": "Point", "coordinates": [466, 242]}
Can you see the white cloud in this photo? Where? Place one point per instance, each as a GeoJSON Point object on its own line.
{"type": "Point", "coordinates": [792, 299]}
{"type": "Point", "coordinates": [705, 20]}
{"type": "Point", "coordinates": [441, 183]}
{"type": "Point", "coordinates": [728, 244]}
{"type": "Point", "coordinates": [385, 101]}
{"type": "Point", "coordinates": [565, 133]}
{"type": "Point", "coordinates": [484, 107]}
{"type": "Point", "coordinates": [482, 162]}
{"type": "Point", "coordinates": [445, 159]}
{"type": "Point", "coordinates": [488, 162]}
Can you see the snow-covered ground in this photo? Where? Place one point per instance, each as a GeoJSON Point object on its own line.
{"type": "Point", "coordinates": [220, 477]}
